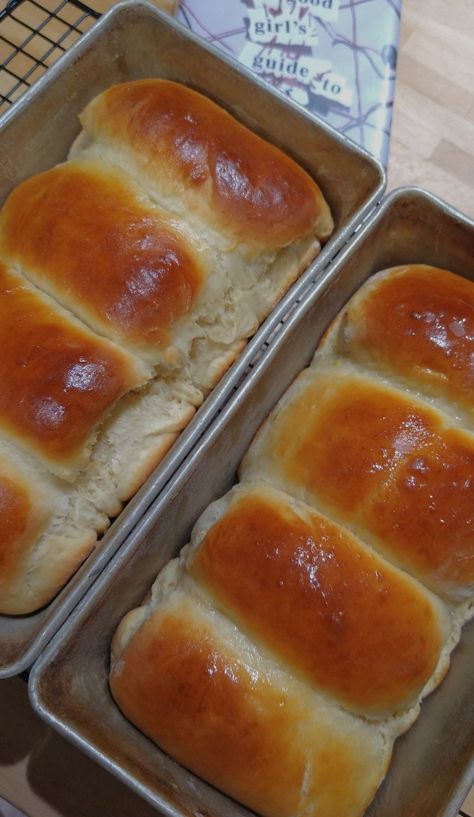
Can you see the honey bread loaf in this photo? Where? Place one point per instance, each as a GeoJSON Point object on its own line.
{"type": "Point", "coordinates": [120, 311]}
{"type": "Point", "coordinates": [319, 601]}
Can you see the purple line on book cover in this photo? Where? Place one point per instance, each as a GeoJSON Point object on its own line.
{"type": "Point", "coordinates": [336, 58]}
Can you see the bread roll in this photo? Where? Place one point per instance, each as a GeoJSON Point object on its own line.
{"type": "Point", "coordinates": [59, 380]}
{"type": "Point", "coordinates": [315, 576]}
{"type": "Point", "coordinates": [277, 636]}
{"type": "Point", "coordinates": [93, 239]}
{"type": "Point", "coordinates": [199, 688]}
{"type": "Point", "coordinates": [416, 323]}
{"type": "Point", "coordinates": [196, 159]}
{"type": "Point", "coordinates": [110, 256]}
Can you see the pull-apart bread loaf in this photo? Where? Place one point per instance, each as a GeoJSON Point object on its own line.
{"type": "Point", "coordinates": [59, 381]}
{"type": "Point", "coordinates": [319, 601]}
{"type": "Point", "coordinates": [119, 310]}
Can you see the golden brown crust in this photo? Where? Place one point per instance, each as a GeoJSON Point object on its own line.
{"type": "Point", "coordinates": [80, 231]}
{"type": "Point", "coordinates": [90, 235]}
{"type": "Point", "coordinates": [418, 321]}
{"type": "Point", "coordinates": [321, 601]}
{"type": "Point", "coordinates": [196, 708]}
{"type": "Point", "coordinates": [259, 736]}
{"type": "Point", "coordinates": [58, 379]}
{"type": "Point", "coordinates": [382, 463]}
{"type": "Point", "coordinates": [251, 188]}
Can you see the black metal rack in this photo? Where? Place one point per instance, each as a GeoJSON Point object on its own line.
{"type": "Point", "coordinates": [33, 34]}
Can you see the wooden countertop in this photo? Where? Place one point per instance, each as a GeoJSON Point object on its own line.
{"type": "Point", "coordinates": [432, 141]}
{"type": "Point", "coordinates": [432, 146]}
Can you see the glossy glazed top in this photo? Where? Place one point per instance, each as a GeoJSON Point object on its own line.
{"type": "Point", "coordinates": [309, 591]}
{"type": "Point", "coordinates": [386, 464]}
{"type": "Point", "coordinates": [191, 144]}
{"type": "Point", "coordinates": [84, 234]}
{"type": "Point", "coordinates": [58, 379]}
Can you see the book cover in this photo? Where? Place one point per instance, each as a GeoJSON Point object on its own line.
{"type": "Point", "coordinates": [336, 58]}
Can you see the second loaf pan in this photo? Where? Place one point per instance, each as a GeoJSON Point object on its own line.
{"type": "Point", "coordinates": [135, 40]}
{"type": "Point", "coordinates": [432, 766]}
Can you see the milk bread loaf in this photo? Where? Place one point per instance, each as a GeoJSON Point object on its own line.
{"type": "Point", "coordinates": [343, 561]}
{"type": "Point", "coordinates": [118, 314]}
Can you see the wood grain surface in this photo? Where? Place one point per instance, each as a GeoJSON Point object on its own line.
{"type": "Point", "coordinates": [433, 147]}
{"type": "Point", "coordinates": [432, 141]}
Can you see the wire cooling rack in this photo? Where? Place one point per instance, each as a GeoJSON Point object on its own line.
{"type": "Point", "coordinates": [33, 35]}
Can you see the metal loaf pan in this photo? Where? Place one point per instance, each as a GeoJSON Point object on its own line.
{"type": "Point", "coordinates": [432, 766]}
{"type": "Point", "coordinates": [135, 40]}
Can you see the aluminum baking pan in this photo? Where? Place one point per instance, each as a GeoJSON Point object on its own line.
{"type": "Point", "coordinates": [135, 40]}
{"type": "Point", "coordinates": [432, 766]}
